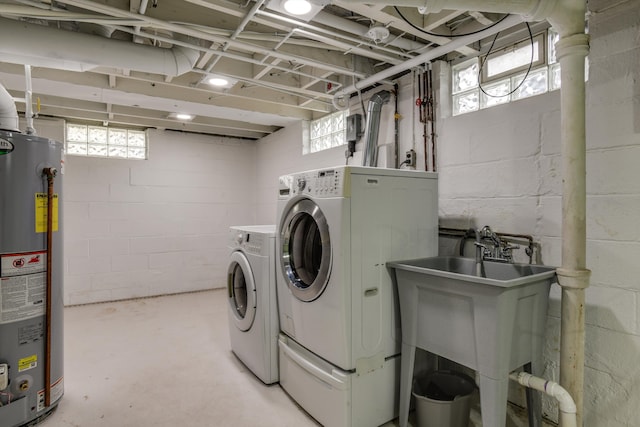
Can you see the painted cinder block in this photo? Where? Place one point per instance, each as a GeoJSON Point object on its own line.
{"type": "Point", "coordinates": [76, 248]}
{"type": "Point", "coordinates": [150, 245]}
{"type": "Point", "coordinates": [612, 308]}
{"type": "Point", "coordinates": [108, 246]}
{"type": "Point", "coordinates": [167, 261]}
{"type": "Point", "coordinates": [615, 263]}
{"type": "Point", "coordinates": [92, 265]}
{"type": "Point", "coordinates": [613, 217]}
{"type": "Point", "coordinates": [614, 171]}
{"type": "Point", "coordinates": [126, 193]}
{"type": "Point", "coordinates": [108, 211]}
{"type": "Point", "coordinates": [123, 263]}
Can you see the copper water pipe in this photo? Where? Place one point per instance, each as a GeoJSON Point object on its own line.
{"type": "Point", "coordinates": [50, 174]}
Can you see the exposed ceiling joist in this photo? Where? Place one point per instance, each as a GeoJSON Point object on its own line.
{"type": "Point", "coordinates": [282, 69]}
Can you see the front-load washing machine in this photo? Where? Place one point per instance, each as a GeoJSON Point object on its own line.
{"type": "Point", "coordinates": [253, 311]}
{"type": "Point", "coordinates": [337, 228]}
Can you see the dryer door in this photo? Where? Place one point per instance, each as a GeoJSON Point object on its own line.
{"type": "Point", "coordinates": [241, 287]}
{"type": "Point", "coordinates": [305, 251]}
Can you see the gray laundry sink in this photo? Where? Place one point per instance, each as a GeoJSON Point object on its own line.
{"type": "Point", "coordinates": [493, 324]}
{"type": "Point", "coordinates": [464, 269]}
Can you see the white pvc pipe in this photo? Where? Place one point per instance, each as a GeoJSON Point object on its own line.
{"type": "Point", "coordinates": [566, 404]}
{"type": "Point", "coordinates": [8, 111]}
{"type": "Point", "coordinates": [28, 101]}
{"type": "Point", "coordinates": [141, 10]}
{"type": "Point", "coordinates": [341, 103]}
{"type": "Point", "coordinates": [38, 45]}
{"type": "Point", "coordinates": [531, 9]}
{"type": "Point", "coordinates": [332, 37]}
{"type": "Point", "coordinates": [573, 276]}
{"type": "Point", "coordinates": [334, 21]}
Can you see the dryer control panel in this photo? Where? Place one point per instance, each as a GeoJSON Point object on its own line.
{"type": "Point", "coordinates": [319, 183]}
{"type": "Point", "coordinates": [250, 239]}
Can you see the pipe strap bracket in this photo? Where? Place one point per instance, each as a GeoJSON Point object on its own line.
{"type": "Point", "coordinates": [575, 279]}
{"type": "Point", "coordinates": [576, 44]}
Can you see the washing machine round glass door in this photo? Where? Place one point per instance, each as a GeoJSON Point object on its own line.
{"type": "Point", "coordinates": [305, 249]}
{"type": "Point", "coordinates": [241, 289]}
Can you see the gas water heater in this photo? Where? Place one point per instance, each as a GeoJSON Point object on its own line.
{"type": "Point", "coordinates": [31, 274]}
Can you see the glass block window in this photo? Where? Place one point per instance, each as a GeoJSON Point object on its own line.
{"type": "Point", "coordinates": [473, 89]}
{"type": "Point", "coordinates": [327, 132]}
{"type": "Point", "coordinates": [100, 141]}
{"type": "Point", "coordinates": [514, 58]}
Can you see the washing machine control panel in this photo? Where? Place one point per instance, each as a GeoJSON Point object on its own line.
{"type": "Point", "coordinates": [319, 183]}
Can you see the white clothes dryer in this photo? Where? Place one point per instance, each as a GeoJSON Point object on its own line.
{"type": "Point", "coordinates": [337, 228]}
{"type": "Point", "coordinates": [252, 309]}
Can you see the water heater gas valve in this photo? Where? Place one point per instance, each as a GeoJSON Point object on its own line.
{"type": "Point", "coordinates": [4, 376]}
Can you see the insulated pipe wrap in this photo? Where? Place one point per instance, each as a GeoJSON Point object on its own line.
{"type": "Point", "coordinates": [8, 111]}
{"type": "Point", "coordinates": [38, 45]}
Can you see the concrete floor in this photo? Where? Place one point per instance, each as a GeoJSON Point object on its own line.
{"type": "Point", "coordinates": [159, 362]}
{"type": "Point", "coordinates": [167, 361]}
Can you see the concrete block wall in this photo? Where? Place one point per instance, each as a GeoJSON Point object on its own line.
{"type": "Point", "coordinates": [502, 167]}
{"type": "Point", "coordinates": [137, 228]}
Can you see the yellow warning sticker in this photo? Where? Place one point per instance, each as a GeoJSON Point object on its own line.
{"type": "Point", "coordinates": [27, 363]}
{"type": "Point", "coordinates": [41, 212]}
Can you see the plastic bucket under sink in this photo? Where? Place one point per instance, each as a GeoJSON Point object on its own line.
{"type": "Point", "coordinates": [443, 399]}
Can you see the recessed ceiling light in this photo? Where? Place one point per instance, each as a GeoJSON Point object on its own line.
{"type": "Point", "coordinates": [184, 116]}
{"type": "Point", "coordinates": [297, 7]}
{"type": "Point", "coordinates": [218, 81]}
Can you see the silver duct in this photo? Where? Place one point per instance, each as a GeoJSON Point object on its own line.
{"type": "Point", "coordinates": [370, 155]}
{"type": "Point", "coordinates": [8, 111]}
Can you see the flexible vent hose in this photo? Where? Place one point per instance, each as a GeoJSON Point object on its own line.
{"type": "Point", "coordinates": [370, 155]}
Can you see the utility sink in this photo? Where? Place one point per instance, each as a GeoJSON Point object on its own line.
{"type": "Point", "coordinates": [465, 269]}
{"type": "Point", "coordinates": [493, 323]}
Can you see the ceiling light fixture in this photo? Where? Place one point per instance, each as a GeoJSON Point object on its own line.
{"type": "Point", "coordinates": [218, 81]}
{"type": "Point", "coordinates": [184, 116]}
{"type": "Point", "coordinates": [297, 7]}
{"type": "Point", "coordinates": [302, 10]}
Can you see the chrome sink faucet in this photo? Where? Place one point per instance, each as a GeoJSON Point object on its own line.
{"type": "Point", "coordinates": [497, 250]}
{"type": "Point", "coordinates": [489, 247]}
{"type": "Point", "coordinates": [481, 248]}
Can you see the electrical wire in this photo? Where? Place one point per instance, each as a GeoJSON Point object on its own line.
{"type": "Point", "coordinates": [447, 35]}
{"type": "Point", "coordinates": [484, 60]}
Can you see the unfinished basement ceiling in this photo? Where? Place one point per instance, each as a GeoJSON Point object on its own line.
{"type": "Point", "coordinates": [137, 63]}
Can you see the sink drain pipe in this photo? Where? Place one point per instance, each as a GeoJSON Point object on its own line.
{"type": "Point", "coordinates": [567, 17]}
{"type": "Point", "coordinates": [566, 405]}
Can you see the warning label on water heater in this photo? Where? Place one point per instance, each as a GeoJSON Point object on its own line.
{"type": "Point", "coordinates": [22, 297]}
{"type": "Point", "coordinates": [42, 201]}
{"type": "Point", "coordinates": [23, 263]}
